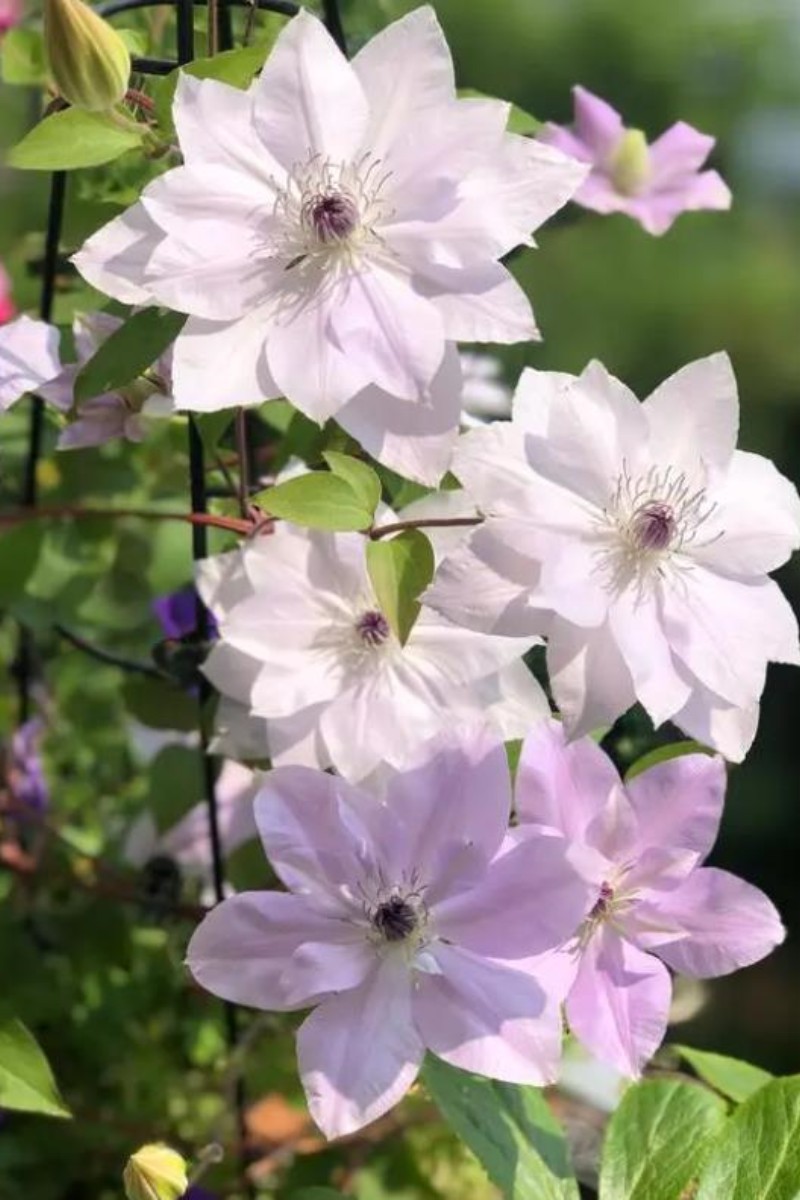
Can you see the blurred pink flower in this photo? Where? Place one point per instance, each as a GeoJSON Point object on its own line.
{"type": "Point", "coordinates": [7, 306]}
{"type": "Point", "coordinates": [413, 920]}
{"type": "Point", "coordinates": [655, 183]}
{"type": "Point", "coordinates": [641, 845]}
{"type": "Point", "coordinates": [10, 14]}
{"type": "Point", "coordinates": [638, 540]}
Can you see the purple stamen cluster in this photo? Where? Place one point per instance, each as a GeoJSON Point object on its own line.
{"type": "Point", "coordinates": [372, 628]}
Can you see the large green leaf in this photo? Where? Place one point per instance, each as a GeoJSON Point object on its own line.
{"type": "Point", "coordinates": [400, 569]}
{"type": "Point", "coordinates": [320, 500]}
{"type": "Point", "coordinates": [362, 479]}
{"type": "Point", "coordinates": [510, 1129]}
{"type": "Point", "coordinates": [71, 139]}
{"type": "Point", "coordinates": [758, 1155]}
{"type": "Point", "coordinates": [26, 1081]}
{"type": "Point", "coordinates": [128, 353]}
{"type": "Point", "coordinates": [735, 1079]}
{"type": "Point", "coordinates": [659, 1140]}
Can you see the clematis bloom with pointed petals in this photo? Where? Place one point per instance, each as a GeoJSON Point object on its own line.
{"type": "Point", "coordinates": [412, 921]}
{"type": "Point", "coordinates": [304, 644]}
{"type": "Point", "coordinates": [641, 845]}
{"type": "Point", "coordinates": [28, 358]}
{"type": "Point", "coordinates": [111, 415]}
{"type": "Point", "coordinates": [654, 183]}
{"type": "Point", "coordinates": [638, 539]}
{"type": "Point", "coordinates": [333, 229]}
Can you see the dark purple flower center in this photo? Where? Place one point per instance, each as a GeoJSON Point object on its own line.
{"type": "Point", "coordinates": [395, 919]}
{"type": "Point", "coordinates": [654, 526]}
{"type": "Point", "coordinates": [373, 628]}
{"type": "Point", "coordinates": [603, 904]}
{"type": "Point", "coordinates": [334, 216]}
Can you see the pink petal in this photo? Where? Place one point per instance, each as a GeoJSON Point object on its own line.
{"type": "Point", "coordinates": [619, 1003]}
{"type": "Point", "coordinates": [591, 683]}
{"type": "Point", "coordinates": [359, 1052]}
{"type": "Point", "coordinates": [308, 99]}
{"type": "Point", "coordinates": [679, 152]}
{"type": "Point", "coordinates": [678, 804]}
{"type": "Point", "coordinates": [242, 950]}
{"type": "Point", "coordinates": [641, 632]}
{"type": "Point", "coordinates": [530, 901]}
{"type": "Point", "coordinates": [481, 1016]}
{"type": "Point", "coordinates": [714, 924]}
{"type": "Point", "coordinates": [597, 124]}
{"type": "Point", "coordinates": [561, 784]}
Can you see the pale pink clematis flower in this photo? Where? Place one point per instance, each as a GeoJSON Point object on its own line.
{"type": "Point", "coordinates": [641, 846]}
{"type": "Point", "coordinates": [638, 539]}
{"type": "Point", "coordinates": [7, 307]}
{"type": "Point", "coordinates": [303, 643]}
{"type": "Point", "coordinates": [655, 183]}
{"type": "Point", "coordinates": [112, 415]}
{"type": "Point", "coordinates": [413, 921]}
{"type": "Point", "coordinates": [333, 230]}
{"type": "Point", "coordinates": [28, 358]}
{"type": "Point", "coordinates": [188, 842]}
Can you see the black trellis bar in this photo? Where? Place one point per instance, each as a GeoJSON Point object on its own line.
{"type": "Point", "coordinates": [285, 8]}
{"type": "Point", "coordinates": [333, 20]}
{"type": "Point", "coordinates": [152, 66]}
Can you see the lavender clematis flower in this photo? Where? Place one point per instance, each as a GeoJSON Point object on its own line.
{"type": "Point", "coordinates": [334, 230]}
{"type": "Point", "coordinates": [641, 846]}
{"type": "Point", "coordinates": [638, 540]}
{"type": "Point", "coordinates": [111, 415]}
{"type": "Point", "coordinates": [655, 183]}
{"type": "Point", "coordinates": [24, 769]}
{"type": "Point", "coordinates": [28, 358]}
{"type": "Point", "coordinates": [412, 921]}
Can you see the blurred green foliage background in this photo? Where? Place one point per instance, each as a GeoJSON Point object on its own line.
{"type": "Point", "coordinates": [135, 1050]}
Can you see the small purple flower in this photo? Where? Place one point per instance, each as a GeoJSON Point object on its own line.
{"type": "Point", "coordinates": [641, 845]}
{"type": "Point", "coordinates": [413, 920]}
{"type": "Point", "coordinates": [653, 184]}
{"type": "Point", "coordinates": [25, 773]}
{"type": "Point", "coordinates": [177, 614]}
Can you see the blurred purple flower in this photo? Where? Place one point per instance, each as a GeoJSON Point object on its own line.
{"type": "Point", "coordinates": [177, 613]}
{"type": "Point", "coordinates": [25, 773]}
{"type": "Point", "coordinates": [653, 184]}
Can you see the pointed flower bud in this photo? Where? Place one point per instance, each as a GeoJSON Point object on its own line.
{"type": "Point", "coordinates": [89, 61]}
{"type": "Point", "coordinates": [630, 164]}
{"type": "Point", "coordinates": [155, 1173]}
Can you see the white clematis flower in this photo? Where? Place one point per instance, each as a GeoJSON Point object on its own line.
{"type": "Point", "coordinates": [638, 539]}
{"type": "Point", "coordinates": [28, 358]}
{"type": "Point", "coordinates": [303, 643]}
{"type": "Point", "coordinates": [333, 229]}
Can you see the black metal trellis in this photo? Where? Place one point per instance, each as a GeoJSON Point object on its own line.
{"type": "Point", "coordinates": [25, 662]}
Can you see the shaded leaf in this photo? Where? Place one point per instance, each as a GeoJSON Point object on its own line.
{"type": "Point", "coordinates": [758, 1155]}
{"type": "Point", "coordinates": [71, 139]}
{"type": "Point", "coordinates": [735, 1079]}
{"type": "Point", "coordinates": [510, 1129]}
{"type": "Point", "coordinates": [19, 555]}
{"type": "Point", "coordinates": [26, 1081]}
{"type": "Point", "coordinates": [319, 500]}
{"type": "Point", "coordinates": [128, 353]}
{"type": "Point", "coordinates": [400, 569]}
{"type": "Point", "coordinates": [235, 67]}
{"type": "Point", "coordinates": [361, 478]}
{"type": "Point", "coordinates": [659, 1140]}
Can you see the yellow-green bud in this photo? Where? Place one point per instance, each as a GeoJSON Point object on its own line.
{"type": "Point", "coordinates": [630, 163]}
{"type": "Point", "coordinates": [155, 1173]}
{"type": "Point", "coordinates": [89, 61]}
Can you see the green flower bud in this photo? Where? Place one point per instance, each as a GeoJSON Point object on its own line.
{"type": "Point", "coordinates": [155, 1173]}
{"type": "Point", "coordinates": [630, 163]}
{"type": "Point", "coordinates": [88, 59]}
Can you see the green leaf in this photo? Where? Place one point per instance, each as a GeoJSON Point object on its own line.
{"type": "Point", "coordinates": [23, 59]}
{"type": "Point", "coordinates": [664, 754]}
{"type": "Point", "coordinates": [362, 479]}
{"type": "Point", "coordinates": [234, 67]}
{"type": "Point", "coordinates": [19, 554]}
{"type": "Point", "coordinates": [758, 1155]}
{"type": "Point", "coordinates": [26, 1081]}
{"type": "Point", "coordinates": [320, 500]}
{"type": "Point", "coordinates": [73, 138]}
{"type": "Point", "coordinates": [316, 1193]}
{"type": "Point", "coordinates": [128, 353]}
{"type": "Point", "coordinates": [159, 705]}
{"type": "Point", "coordinates": [733, 1078]}
{"type": "Point", "coordinates": [212, 426]}
{"type": "Point", "coordinates": [519, 121]}
{"type": "Point", "coordinates": [510, 1129]}
{"type": "Point", "coordinates": [659, 1140]}
{"type": "Point", "coordinates": [400, 569]}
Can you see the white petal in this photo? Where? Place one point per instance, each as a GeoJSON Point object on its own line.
{"type": "Point", "coordinates": [221, 365]}
{"type": "Point", "coordinates": [115, 259]}
{"type": "Point", "coordinates": [695, 414]}
{"type": "Point", "coordinates": [756, 524]}
{"type": "Point", "coordinates": [214, 123]}
{"type": "Point", "coordinates": [591, 684]}
{"type": "Point", "coordinates": [28, 358]}
{"type": "Point", "coordinates": [482, 304]}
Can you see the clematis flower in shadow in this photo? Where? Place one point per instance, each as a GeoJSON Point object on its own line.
{"type": "Point", "coordinates": [334, 231]}
{"type": "Point", "coordinates": [641, 846]}
{"type": "Point", "coordinates": [119, 414]}
{"type": "Point", "coordinates": [412, 920]}
{"type": "Point", "coordinates": [654, 183]}
{"type": "Point", "coordinates": [638, 539]}
{"type": "Point", "coordinates": [28, 358]}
